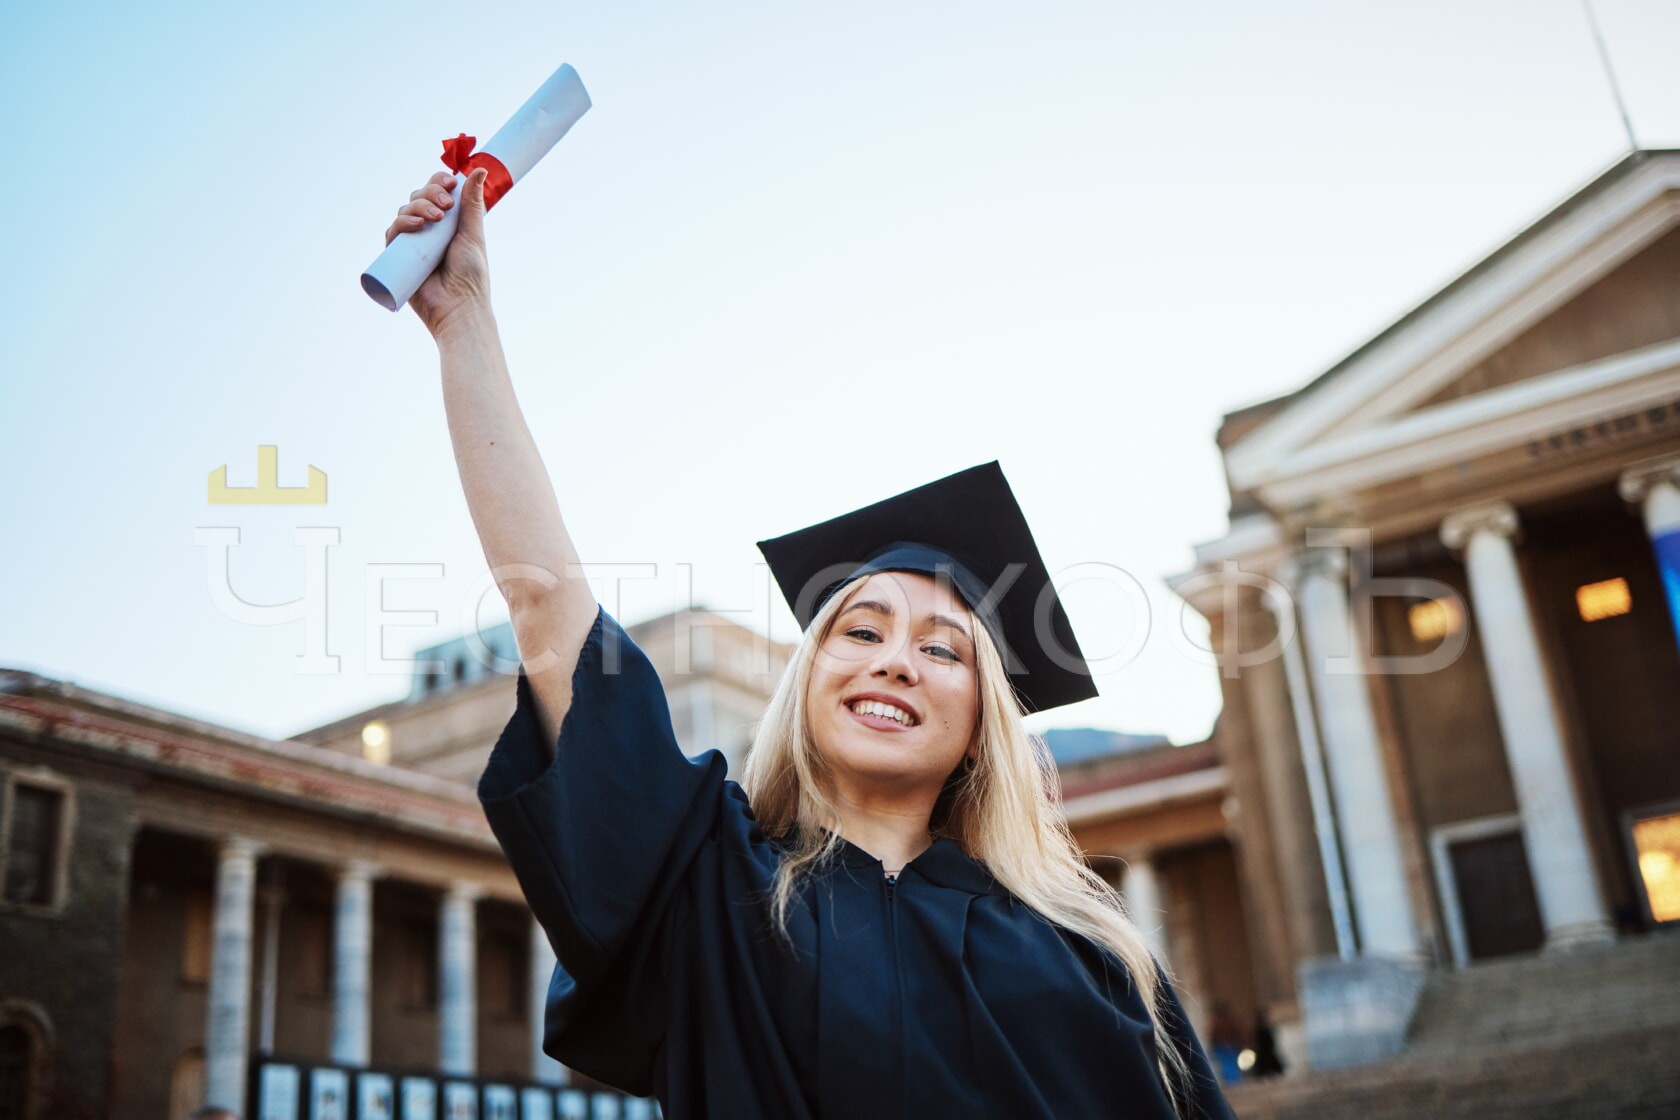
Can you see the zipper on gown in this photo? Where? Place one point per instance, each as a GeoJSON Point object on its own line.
{"type": "Point", "coordinates": [898, 977]}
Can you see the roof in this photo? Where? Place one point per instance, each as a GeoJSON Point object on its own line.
{"type": "Point", "coordinates": [39, 708]}
{"type": "Point", "coordinates": [1596, 187]}
{"type": "Point", "coordinates": [1070, 746]}
{"type": "Point", "coordinates": [1143, 771]}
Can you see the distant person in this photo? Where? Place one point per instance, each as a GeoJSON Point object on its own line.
{"type": "Point", "coordinates": [1266, 1060]}
{"type": "Point", "coordinates": [1226, 1044]}
{"type": "Point", "coordinates": [887, 917]}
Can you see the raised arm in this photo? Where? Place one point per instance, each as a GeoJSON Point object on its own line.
{"type": "Point", "coordinates": [508, 491]}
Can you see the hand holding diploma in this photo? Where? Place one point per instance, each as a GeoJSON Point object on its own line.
{"type": "Point", "coordinates": [463, 279]}
{"type": "Point", "coordinates": [413, 249]}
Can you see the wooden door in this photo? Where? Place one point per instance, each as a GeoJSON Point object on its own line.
{"type": "Point", "coordinates": [1496, 896]}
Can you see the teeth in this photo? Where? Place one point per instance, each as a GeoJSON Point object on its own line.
{"type": "Point", "coordinates": [876, 708]}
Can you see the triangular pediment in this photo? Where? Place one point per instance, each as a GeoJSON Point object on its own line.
{"type": "Point", "coordinates": [1634, 306]}
{"type": "Point", "coordinates": [1596, 279]}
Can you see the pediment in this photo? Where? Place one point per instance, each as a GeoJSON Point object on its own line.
{"type": "Point", "coordinates": [1635, 305]}
{"type": "Point", "coordinates": [1596, 279]}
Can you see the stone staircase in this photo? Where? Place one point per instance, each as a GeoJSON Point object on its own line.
{"type": "Point", "coordinates": [1592, 1034]}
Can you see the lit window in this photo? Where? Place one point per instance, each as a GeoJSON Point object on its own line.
{"type": "Point", "coordinates": [197, 933]}
{"type": "Point", "coordinates": [1433, 620]}
{"type": "Point", "coordinates": [35, 837]}
{"type": "Point", "coordinates": [1604, 599]}
{"type": "Point", "coordinates": [1656, 840]}
{"type": "Point", "coordinates": [376, 743]}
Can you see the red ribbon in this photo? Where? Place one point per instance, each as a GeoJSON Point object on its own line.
{"type": "Point", "coordinates": [459, 157]}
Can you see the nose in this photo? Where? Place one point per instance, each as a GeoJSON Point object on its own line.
{"type": "Point", "coordinates": [893, 662]}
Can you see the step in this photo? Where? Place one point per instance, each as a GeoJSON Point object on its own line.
{"type": "Point", "coordinates": [1634, 1074]}
{"type": "Point", "coordinates": [1592, 1034]}
{"type": "Point", "coordinates": [1605, 988]}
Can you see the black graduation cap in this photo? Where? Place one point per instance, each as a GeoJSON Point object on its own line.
{"type": "Point", "coordinates": [969, 529]}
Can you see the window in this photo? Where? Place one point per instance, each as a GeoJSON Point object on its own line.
{"type": "Point", "coordinates": [506, 975]}
{"type": "Point", "coordinates": [16, 1061]}
{"type": "Point", "coordinates": [1604, 599]}
{"type": "Point", "coordinates": [1433, 620]}
{"type": "Point", "coordinates": [186, 1085]}
{"type": "Point", "coordinates": [1656, 847]}
{"type": "Point", "coordinates": [314, 951]}
{"type": "Point", "coordinates": [419, 965]}
{"type": "Point", "coordinates": [34, 833]}
{"type": "Point", "coordinates": [196, 935]}
{"type": "Point", "coordinates": [376, 742]}
{"type": "Point", "coordinates": [25, 1046]}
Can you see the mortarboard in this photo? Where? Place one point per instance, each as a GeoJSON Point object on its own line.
{"type": "Point", "coordinates": [969, 529]}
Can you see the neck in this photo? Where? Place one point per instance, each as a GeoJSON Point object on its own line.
{"type": "Point", "coordinates": [894, 832]}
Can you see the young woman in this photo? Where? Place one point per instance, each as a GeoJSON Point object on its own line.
{"type": "Point", "coordinates": [887, 917]}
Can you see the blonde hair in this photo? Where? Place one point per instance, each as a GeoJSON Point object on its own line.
{"type": "Point", "coordinates": [1003, 810]}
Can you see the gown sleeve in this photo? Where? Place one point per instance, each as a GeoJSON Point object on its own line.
{"type": "Point", "coordinates": [601, 838]}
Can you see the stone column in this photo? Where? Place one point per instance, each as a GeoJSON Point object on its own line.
{"type": "Point", "coordinates": [352, 1037]}
{"type": "Point", "coordinates": [544, 1069]}
{"type": "Point", "coordinates": [273, 898]}
{"type": "Point", "coordinates": [1654, 486]}
{"type": "Point", "coordinates": [1336, 666]}
{"type": "Point", "coordinates": [1318, 782]}
{"type": "Point", "coordinates": [1565, 879]}
{"type": "Point", "coordinates": [227, 1035]}
{"type": "Point", "coordinates": [458, 980]}
{"type": "Point", "coordinates": [1141, 887]}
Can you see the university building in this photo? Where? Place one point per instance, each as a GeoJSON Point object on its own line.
{"type": "Point", "coordinates": [320, 928]}
{"type": "Point", "coordinates": [1446, 613]}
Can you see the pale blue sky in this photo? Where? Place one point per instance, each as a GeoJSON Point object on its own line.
{"type": "Point", "coordinates": [796, 258]}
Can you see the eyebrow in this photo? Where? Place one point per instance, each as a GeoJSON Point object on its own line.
{"type": "Point", "coordinates": [876, 606]}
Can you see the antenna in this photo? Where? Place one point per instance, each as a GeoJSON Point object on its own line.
{"type": "Point", "coordinates": [1610, 73]}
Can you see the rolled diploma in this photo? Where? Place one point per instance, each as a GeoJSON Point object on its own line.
{"type": "Point", "coordinates": [527, 136]}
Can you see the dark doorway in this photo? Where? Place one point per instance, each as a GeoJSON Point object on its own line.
{"type": "Point", "coordinates": [1496, 896]}
{"type": "Point", "coordinates": [15, 1063]}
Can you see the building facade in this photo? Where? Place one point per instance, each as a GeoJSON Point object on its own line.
{"type": "Point", "coordinates": [1445, 613]}
{"type": "Point", "coordinates": [191, 915]}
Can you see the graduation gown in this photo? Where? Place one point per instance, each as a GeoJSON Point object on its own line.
{"type": "Point", "coordinates": [935, 994]}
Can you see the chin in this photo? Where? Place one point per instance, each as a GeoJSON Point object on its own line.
{"type": "Point", "coordinates": [872, 760]}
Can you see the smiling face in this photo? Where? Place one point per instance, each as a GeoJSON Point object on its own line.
{"type": "Point", "coordinates": [893, 699]}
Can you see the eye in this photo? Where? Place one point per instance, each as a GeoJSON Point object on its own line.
{"type": "Point", "coordinates": [944, 653]}
{"type": "Point", "coordinates": [863, 634]}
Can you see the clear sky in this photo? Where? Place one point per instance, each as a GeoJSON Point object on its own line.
{"type": "Point", "coordinates": [798, 257]}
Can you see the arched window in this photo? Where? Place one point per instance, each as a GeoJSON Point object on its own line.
{"type": "Point", "coordinates": [25, 1042]}
{"type": "Point", "coordinates": [186, 1084]}
{"type": "Point", "coordinates": [17, 1063]}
